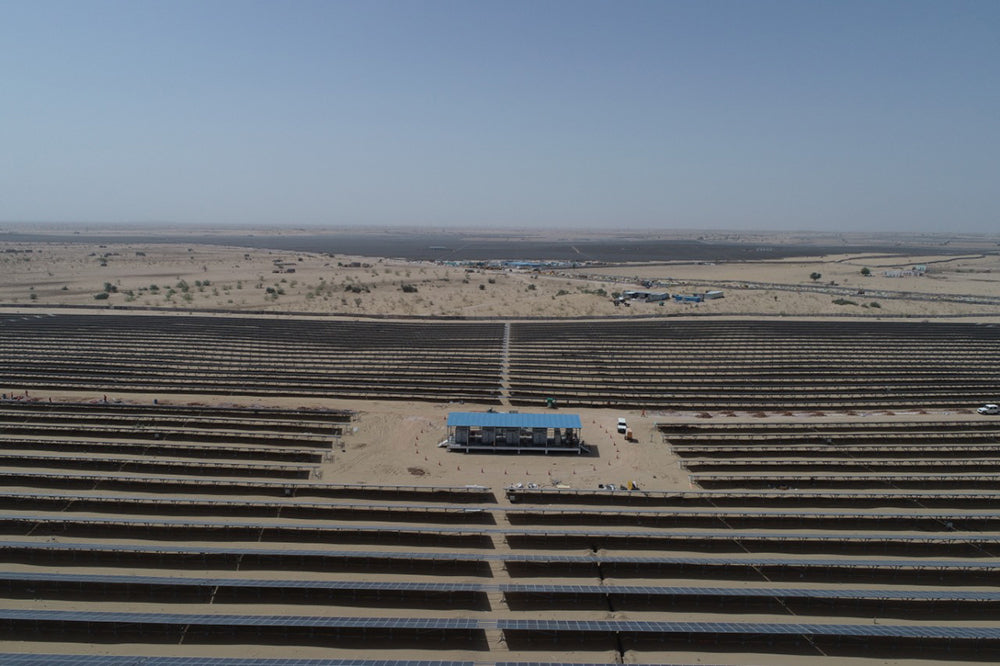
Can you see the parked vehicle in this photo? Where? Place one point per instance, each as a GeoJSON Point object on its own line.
{"type": "Point", "coordinates": [989, 409]}
{"type": "Point", "coordinates": [622, 426]}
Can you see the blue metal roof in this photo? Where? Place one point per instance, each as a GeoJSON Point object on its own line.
{"type": "Point", "coordinates": [498, 420]}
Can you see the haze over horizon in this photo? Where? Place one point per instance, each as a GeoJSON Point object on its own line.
{"type": "Point", "coordinates": [822, 116]}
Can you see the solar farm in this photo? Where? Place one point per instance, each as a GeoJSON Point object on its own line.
{"type": "Point", "coordinates": [218, 523]}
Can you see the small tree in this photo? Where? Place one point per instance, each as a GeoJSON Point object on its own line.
{"type": "Point", "coordinates": [866, 271]}
{"type": "Point", "coordinates": [815, 276]}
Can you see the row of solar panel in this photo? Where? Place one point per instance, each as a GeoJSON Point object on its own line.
{"type": "Point", "coordinates": [466, 624]}
{"type": "Point", "coordinates": [623, 493]}
{"type": "Point", "coordinates": [41, 460]}
{"type": "Point", "coordinates": [722, 512]}
{"type": "Point", "coordinates": [291, 486]}
{"type": "Point", "coordinates": [9, 659]}
{"type": "Point", "coordinates": [854, 563]}
{"type": "Point", "coordinates": [175, 501]}
{"type": "Point", "coordinates": [404, 586]}
{"type": "Point", "coordinates": [728, 535]}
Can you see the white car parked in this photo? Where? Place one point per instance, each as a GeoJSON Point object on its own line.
{"type": "Point", "coordinates": [622, 426]}
{"type": "Point", "coordinates": [989, 409]}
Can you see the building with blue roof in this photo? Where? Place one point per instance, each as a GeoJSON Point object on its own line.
{"type": "Point", "coordinates": [515, 432]}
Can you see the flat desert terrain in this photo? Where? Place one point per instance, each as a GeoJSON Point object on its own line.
{"type": "Point", "coordinates": [396, 443]}
{"type": "Point", "coordinates": [955, 281]}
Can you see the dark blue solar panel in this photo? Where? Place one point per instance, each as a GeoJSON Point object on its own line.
{"type": "Point", "coordinates": [858, 563]}
{"type": "Point", "coordinates": [109, 660]}
{"type": "Point", "coordinates": [241, 620]}
{"type": "Point", "coordinates": [246, 483]}
{"type": "Point", "coordinates": [401, 586]}
{"type": "Point", "coordinates": [714, 535]}
{"type": "Point", "coordinates": [589, 626]}
{"type": "Point", "coordinates": [917, 594]}
{"type": "Point", "coordinates": [864, 630]}
{"type": "Point", "coordinates": [211, 501]}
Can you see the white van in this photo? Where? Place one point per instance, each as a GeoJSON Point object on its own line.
{"type": "Point", "coordinates": [622, 426]}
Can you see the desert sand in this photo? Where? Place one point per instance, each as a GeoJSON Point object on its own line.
{"type": "Point", "coordinates": [203, 277]}
{"type": "Point", "coordinates": [396, 442]}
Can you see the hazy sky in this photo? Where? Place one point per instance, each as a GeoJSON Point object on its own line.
{"type": "Point", "coordinates": [805, 114]}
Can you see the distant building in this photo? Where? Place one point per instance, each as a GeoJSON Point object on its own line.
{"type": "Point", "coordinates": [916, 271]}
{"type": "Point", "coordinates": [648, 296]}
{"type": "Point", "coordinates": [515, 433]}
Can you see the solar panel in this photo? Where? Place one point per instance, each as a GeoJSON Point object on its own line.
{"type": "Point", "coordinates": [827, 476]}
{"type": "Point", "coordinates": [212, 501]}
{"type": "Point", "coordinates": [9, 659]}
{"type": "Point", "coordinates": [466, 624]}
{"type": "Point", "coordinates": [714, 513]}
{"type": "Point", "coordinates": [454, 556]}
{"type": "Point", "coordinates": [670, 494]}
{"type": "Point", "coordinates": [864, 630]}
{"type": "Point", "coordinates": [757, 562]}
{"type": "Point", "coordinates": [235, 550]}
{"type": "Point", "coordinates": [41, 458]}
{"type": "Point", "coordinates": [918, 594]}
{"type": "Point", "coordinates": [242, 620]}
{"type": "Point", "coordinates": [446, 587]}
{"type": "Point", "coordinates": [245, 483]}
{"type": "Point", "coordinates": [723, 512]}
{"type": "Point", "coordinates": [244, 582]}
{"type": "Point", "coordinates": [314, 526]}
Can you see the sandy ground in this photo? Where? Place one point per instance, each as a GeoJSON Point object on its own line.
{"type": "Point", "coordinates": [239, 279]}
{"type": "Point", "coordinates": [397, 442]}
